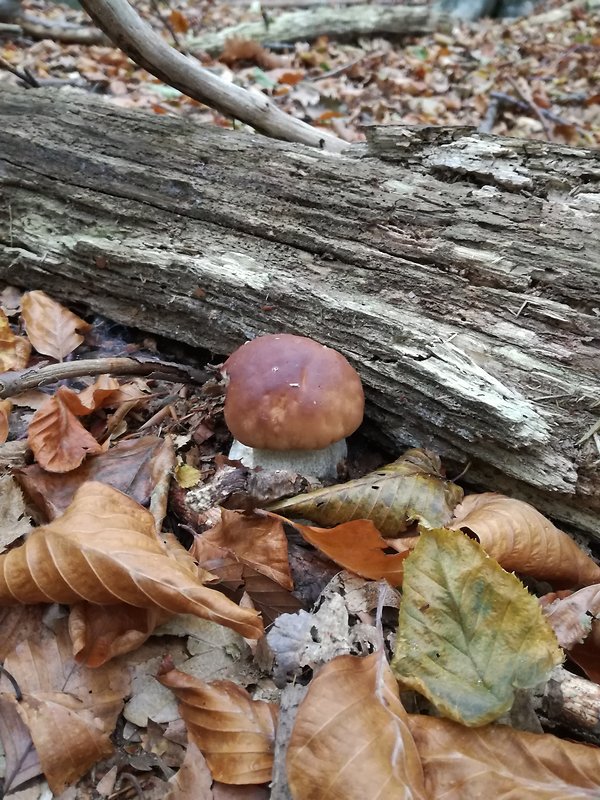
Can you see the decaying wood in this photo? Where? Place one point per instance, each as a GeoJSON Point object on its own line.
{"type": "Point", "coordinates": [460, 273]}
{"type": "Point", "coordinates": [570, 702]}
{"type": "Point", "coordinates": [338, 23]}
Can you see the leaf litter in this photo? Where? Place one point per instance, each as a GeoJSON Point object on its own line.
{"type": "Point", "coordinates": [352, 733]}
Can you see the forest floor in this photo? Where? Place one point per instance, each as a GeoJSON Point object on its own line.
{"type": "Point", "coordinates": [509, 77]}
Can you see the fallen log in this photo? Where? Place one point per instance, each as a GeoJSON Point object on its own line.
{"type": "Point", "coordinates": [460, 273]}
{"type": "Point", "coordinates": [339, 23]}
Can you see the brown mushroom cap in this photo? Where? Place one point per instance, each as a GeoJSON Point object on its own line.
{"type": "Point", "coordinates": [288, 392]}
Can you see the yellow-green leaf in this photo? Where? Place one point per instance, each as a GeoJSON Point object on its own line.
{"type": "Point", "coordinates": [469, 633]}
{"type": "Point", "coordinates": [407, 490]}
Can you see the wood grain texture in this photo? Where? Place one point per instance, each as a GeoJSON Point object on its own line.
{"type": "Point", "coordinates": [459, 273]}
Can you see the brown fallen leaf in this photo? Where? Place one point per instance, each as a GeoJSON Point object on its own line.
{"type": "Point", "coordinates": [59, 697]}
{"type": "Point", "coordinates": [258, 541]}
{"type": "Point", "coordinates": [104, 549]}
{"type": "Point", "coordinates": [22, 762]}
{"type": "Point", "coordinates": [350, 739]}
{"type": "Point", "coordinates": [193, 780]}
{"type": "Point", "coordinates": [5, 409]}
{"type": "Point", "coordinates": [14, 350]}
{"type": "Point", "coordinates": [497, 761]}
{"type": "Point", "coordinates": [575, 619]}
{"type": "Point", "coordinates": [58, 440]}
{"type": "Point", "coordinates": [18, 623]}
{"type": "Point", "coordinates": [98, 394]}
{"type": "Point", "coordinates": [392, 497]}
{"type": "Point", "coordinates": [358, 547]}
{"type": "Point", "coordinates": [52, 329]}
{"type": "Point", "coordinates": [235, 733]}
{"type": "Point", "coordinates": [524, 541]}
{"type": "Point", "coordinates": [132, 467]}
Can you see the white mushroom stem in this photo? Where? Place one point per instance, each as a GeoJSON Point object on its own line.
{"type": "Point", "coordinates": [326, 464]}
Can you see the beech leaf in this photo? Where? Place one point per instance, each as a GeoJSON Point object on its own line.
{"type": "Point", "coordinates": [358, 547]}
{"type": "Point", "coordinates": [523, 540]}
{"type": "Point", "coordinates": [193, 780]}
{"type": "Point", "coordinates": [571, 617]}
{"type": "Point", "coordinates": [80, 705]}
{"type": "Point", "coordinates": [104, 550]}
{"type": "Point", "coordinates": [58, 440]}
{"type": "Point", "coordinates": [392, 497]}
{"type": "Point", "coordinates": [5, 409]}
{"type": "Point", "coordinates": [14, 350]}
{"type": "Point", "coordinates": [235, 733]}
{"type": "Point", "coordinates": [22, 762]}
{"type": "Point", "coordinates": [469, 633]}
{"type": "Point", "coordinates": [499, 762]}
{"type": "Point", "coordinates": [350, 738]}
{"type": "Point", "coordinates": [52, 329]}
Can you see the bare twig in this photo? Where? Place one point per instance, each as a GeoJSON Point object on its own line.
{"type": "Point", "coordinates": [509, 100]}
{"type": "Point", "coordinates": [24, 75]}
{"type": "Point", "coordinates": [13, 683]}
{"type": "Point", "coordinates": [168, 26]}
{"type": "Point", "coordinates": [12, 384]}
{"type": "Point", "coordinates": [125, 28]}
{"type": "Point", "coordinates": [491, 116]}
{"type": "Point", "coordinates": [529, 101]}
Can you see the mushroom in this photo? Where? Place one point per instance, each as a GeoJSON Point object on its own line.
{"type": "Point", "coordinates": [290, 403]}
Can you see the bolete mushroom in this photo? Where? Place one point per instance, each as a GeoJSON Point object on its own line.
{"type": "Point", "coordinates": [290, 404]}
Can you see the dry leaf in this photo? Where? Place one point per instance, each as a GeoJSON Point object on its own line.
{"type": "Point", "coordinates": [22, 762]}
{"type": "Point", "coordinates": [133, 467]}
{"type": "Point", "coordinates": [575, 620]}
{"type": "Point", "coordinates": [193, 780]}
{"type": "Point", "coordinates": [179, 21]}
{"type": "Point", "coordinates": [52, 329]}
{"type": "Point", "coordinates": [358, 547]}
{"type": "Point", "coordinates": [187, 476]}
{"type": "Point", "coordinates": [5, 409]}
{"type": "Point", "coordinates": [238, 50]}
{"type": "Point", "coordinates": [257, 541]}
{"type": "Point", "coordinates": [234, 732]}
{"type": "Point", "coordinates": [14, 520]}
{"type": "Point", "coordinates": [350, 739]}
{"type": "Point", "coordinates": [104, 550]}
{"type": "Point", "coordinates": [469, 633]}
{"type": "Point", "coordinates": [523, 540]}
{"type": "Point", "coordinates": [58, 440]}
{"type": "Point", "coordinates": [14, 350]}
{"type": "Point", "coordinates": [58, 696]}
{"type": "Point", "coordinates": [99, 394]}
{"type": "Point", "coordinates": [407, 490]}
{"type": "Point", "coordinates": [499, 762]}
{"type": "Point", "coordinates": [18, 623]}
{"type": "Point", "coordinates": [100, 633]}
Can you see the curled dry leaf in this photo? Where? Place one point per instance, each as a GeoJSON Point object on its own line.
{"type": "Point", "coordinates": [497, 761]}
{"type": "Point", "coordinates": [58, 696]}
{"type": "Point", "coordinates": [58, 440]}
{"type": "Point", "coordinates": [469, 633]}
{"type": "Point", "coordinates": [14, 350]}
{"type": "Point", "coordinates": [575, 620]}
{"type": "Point", "coordinates": [235, 733]}
{"type": "Point", "coordinates": [407, 490]}
{"type": "Point", "coordinates": [52, 329]}
{"type": "Point", "coordinates": [104, 550]}
{"type": "Point", "coordinates": [523, 540]}
{"type": "Point", "coordinates": [357, 546]}
{"type": "Point", "coordinates": [193, 780]}
{"type": "Point", "coordinates": [350, 739]}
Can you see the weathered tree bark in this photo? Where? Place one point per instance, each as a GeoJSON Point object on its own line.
{"type": "Point", "coordinates": [336, 22]}
{"type": "Point", "coordinates": [459, 273]}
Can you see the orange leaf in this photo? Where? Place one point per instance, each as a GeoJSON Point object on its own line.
{"type": "Point", "coordinates": [5, 409]}
{"type": "Point", "coordinates": [350, 739]}
{"type": "Point", "coordinates": [234, 732]}
{"type": "Point", "coordinates": [291, 78]}
{"type": "Point", "coordinates": [258, 541]}
{"type": "Point", "coordinates": [70, 711]}
{"type": "Point", "coordinates": [14, 350]}
{"type": "Point", "coordinates": [497, 761]}
{"type": "Point", "coordinates": [179, 21]}
{"type": "Point", "coordinates": [104, 549]}
{"type": "Point", "coordinates": [58, 440]}
{"type": "Point", "coordinates": [523, 540]}
{"type": "Point", "coordinates": [52, 329]}
{"type": "Point", "coordinates": [357, 546]}
{"type": "Point", "coordinates": [97, 395]}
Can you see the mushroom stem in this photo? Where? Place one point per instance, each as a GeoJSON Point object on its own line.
{"type": "Point", "coordinates": [326, 464]}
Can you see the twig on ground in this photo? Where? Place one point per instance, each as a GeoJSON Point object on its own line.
{"type": "Point", "coordinates": [23, 75]}
{"type": "Point", "coordinates": [491, 115]}
{"type": "Point", "coordinates": [12, 384]}
{"type": "Point", "coordinates": [168, 26]}
{"type": "Point", "coordinates": [531, 104]}
{"type": "Point", "coordinates": [501, 99]}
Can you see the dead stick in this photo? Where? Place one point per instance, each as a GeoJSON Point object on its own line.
{"type": "Point", "coordinates": [14, 383]}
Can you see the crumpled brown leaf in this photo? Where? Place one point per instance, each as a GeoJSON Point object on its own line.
{"type": "Point", "coordinates": [235, 733]}
{"type": "Point", "coordinates": [5, 409]}
{"type": "Point", "coordinates": [52, 329]}
{"type": "Point", "coordinates": [104, 549]}
{"type": "Point", "coordinates": [392, 497]}
{"type": "Point", "coordinates": [14, 350]}
{"type": "Point", "coordinates": [499, 762]}
{"type": "Point", "coordinates": [350, 739]}
{"type": "Point", "coordinates": [524, 541]}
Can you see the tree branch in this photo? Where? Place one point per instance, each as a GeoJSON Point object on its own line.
{"type": "Point", "coordinates": [127, 31]}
